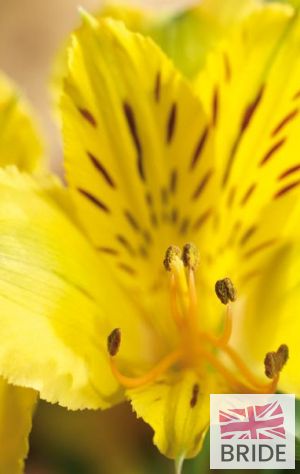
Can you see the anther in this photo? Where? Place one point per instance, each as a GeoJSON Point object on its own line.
{"type": "Point", "coordinates": [225, 291]}
{"type": "Point", "coordinates": [190, 256]}
{"type": "Point", "coordinates": [172, 254]}
{"type": "Point", "coordinates": [274, 361]}
{"type": "Point", "coordinates": [114, 341]}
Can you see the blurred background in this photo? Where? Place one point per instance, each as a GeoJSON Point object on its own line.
{"type": "Point", "coordinates": [63, 442]}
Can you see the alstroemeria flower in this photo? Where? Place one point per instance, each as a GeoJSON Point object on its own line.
{"type": "Point", "coordinates": [154, 163]}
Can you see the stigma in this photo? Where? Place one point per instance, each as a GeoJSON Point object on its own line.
{"type": "Point", "coordinates": [196, 349]}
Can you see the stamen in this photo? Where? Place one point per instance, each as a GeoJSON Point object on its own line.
{"type": "Point", "coordinates": [224, 338]}
{"type": "Point", "coordinates": [190, 256]}
{"type": "Point", "coordinates": [172, 253]}
{"type": "Point", "coordinates": [151, 376]}
{"type": "Point", "coordinates": [274, 361]}
{"type": "Point", "coordinates": [193, 300]}
{"type": "Point", "coordinates": [174, 264]}
{"type": "Point", "coordinates": [114, 341]}
{"type": "Point", "coordinates": [245, 371]}
{"type": "Point", "coordinates": [173, 300]}
{"type": "Point", "coordinates": [113, 345]}
{"type": "Point", "coordinates": [260, 387]}
{"type": "Point", "coordinates": [225, 291]}
{"type": "Point", "coordinates": [233, 381]}
{"type": "Point", "coordinates": [183, 291]}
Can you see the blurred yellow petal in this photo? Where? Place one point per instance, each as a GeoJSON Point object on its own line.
{"type": "Point", "coordinates": [177, 408]}
{"type": "Point", "coordinates": [20, 143]}
{"type": "Point", "coordinates": [257, 150]}
{"type": "Point", "coordinates": [269, 311]}
{"type": "Point", "coordinates": [57, 308]}
{"type": "Point", "coordinates": [16, 409]}
{"type": "Point", "coordinates": [186, 37]}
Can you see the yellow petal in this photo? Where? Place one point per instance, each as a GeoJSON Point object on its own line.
{"type": "Point", "coordinates": [135, 135]}
{"type": "Point", "coordinates": [177, 408]}
{"type": "Point", "coordinates": [20, 143]}
{"type": "Point", "coordinates": [16, 407]}
{"type": "Point", "coordinates": [57, 308]}
{"type": "Point", "coordinates": [251, 87]}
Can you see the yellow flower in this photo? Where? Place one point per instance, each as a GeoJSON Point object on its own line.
{"type": "Point", "coordinates": [89, 313]}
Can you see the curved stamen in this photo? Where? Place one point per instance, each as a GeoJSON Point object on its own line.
{"type": "Point", "coordinates": [173, 300]}
{"type": "Point", "coordinates": [159, 369]}
{"type": "Point", "coordinates": [224, 338]}
{"type": "Point", "coordinates": [231, 378]}
{"type": "Point", "coordinates": [193, 300]}
{"type": "Point", "coordinates": [240, 364]}
{"type": "Point", "coordinates": [181, 286]}
{"type": "Point", "coordinates": [236, 359]}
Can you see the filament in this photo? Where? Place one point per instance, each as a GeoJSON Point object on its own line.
{"type": "Point", "coordinates": [193, 300]}
{"type": "Point", "coordinates": [238, 361]}
{"type": "Point", "coordinates": [159, 369]}
{"type": "Point", "coordinates": [233, 380]}
{"type": "Point", "coordinates": [173, 300]}
{"type": "Point", "coordinates": [224, 338]}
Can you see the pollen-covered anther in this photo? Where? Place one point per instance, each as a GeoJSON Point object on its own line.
{"type": "Point", "coordinates": [274, 361]}
{"type": "Point", "coordinates": [172, 253]}
{"type": "Point", "coordinates": [190, 256]}
{"type": "Point", "coordinates": [114, 341]}
{"type": "Point", "coordinates": [225, 290]}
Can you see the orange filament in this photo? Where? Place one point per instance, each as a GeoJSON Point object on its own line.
{"type": "Point", "coordinates": [240, 364]}
{"type": "Point", "coordinates": [224, 338]}
{"type": "Point", "coordinates": [159, 369]}
{"type": "Point", "coordinates": [236, 359]}
{"type": "Point", "coordinates": [181, 285]}
{"type": "Point", "coordinates": [193, 300]}
{"type": "Point", "coordinates": [233, 381]}
{"type": "Point", "coordinates": [184, 309]}
{"type": "Point", "coordinates": [174, 306]}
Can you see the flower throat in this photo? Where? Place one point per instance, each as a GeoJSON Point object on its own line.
{"type": "Point", "coordinates": [197, 348]}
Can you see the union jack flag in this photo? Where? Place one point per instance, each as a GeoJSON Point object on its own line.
{"type": "Point", "coordinates": [254, 422]}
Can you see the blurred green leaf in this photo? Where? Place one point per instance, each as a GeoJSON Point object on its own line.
{"type": "Point", "coordinates": [200, 464]}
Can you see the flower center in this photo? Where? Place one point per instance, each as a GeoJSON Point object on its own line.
{"type": "Point", "coordinates": [198, 349]}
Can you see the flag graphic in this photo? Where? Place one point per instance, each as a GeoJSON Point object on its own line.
{"type": "Point", "coordinates": [254, 422]}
